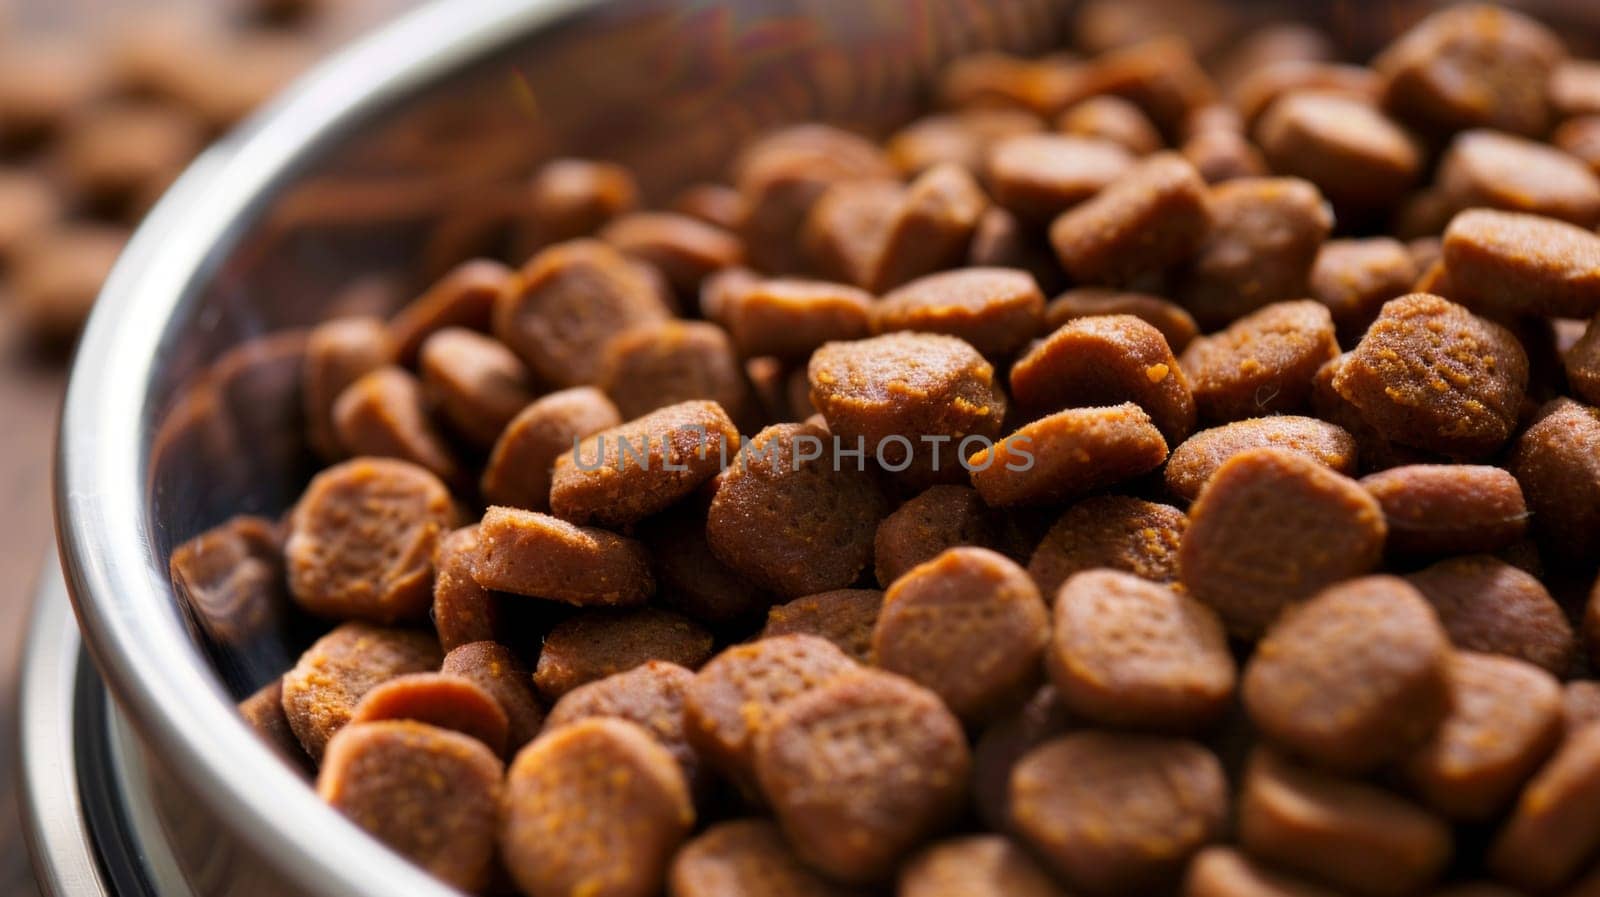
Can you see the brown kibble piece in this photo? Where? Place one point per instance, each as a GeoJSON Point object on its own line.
{"type": "Point", "coordinates": [1488, 169]}
{"type": "Point", "coordinates": [629, 472]}
{"type": "Point", "coordinates": [1354, 677]}
{"type": "Point", "coordinates": [231, 577]}
{"type": "Point", "coordinates": [1505, 718]}
{"type": "Point", "coordinates": [1487, 605]}
{"type": "Point", "coordinates": [1039, 176]}
{"type": "Point", "coordinates": [715, 204]}
{"type": "Point", "coordinates": [338, 353]}
{"type": "Point", "coordinates": [332, 676]}
{"type": "Point", "coordinates": [1160, 75]}
{"type": "Point", "coordinates": [1262, 363]}
{"type": "Point", "coordinates": [42, 82]}
{"type": "Point", "coordinates": [1508, 263]}
{"type": "Point", "coordinates": [464, 297]}
{"type": "Point", "coordinates": [1580, 704]}
{"type": "Point", "coordinates": [1192, 464]}
{"type": "Point", "coordinates": [517, 473]}
{"type": "Point", "coordinates": [1175, 324]}
{"type": "Point", "coordinates": [1432, 375]}
{"type": "Point", "coordinates": [1220, 155]}
{"type": "Point", "coordinates": [571, 198]}
{"type": "Point", "coordinates": [263, 710]}
{"type": "Point", "coordinates": [1259, 89]}
{"type": "Point", "coordinates": [1264, 237]}
{"type": "Point", "coordinates": [477, 384]}
{"type": "Point", "coordinates": [860, 769]}
{"type": "Point", "coordinates": [847, 228]}
{"type": "Point", "coordinates": [667, 362]}
{"type": "Point", "coordinates": [1226, 872]}
{"type": "Point", "coordinates": [1006, 741]}
{"type": "Point", "coordinates": [540, 556]}
{"type": "Point", "coordinates": [1557, 461]}
{"type": "Point", "coordinates": [735, 695]}
{"type": "Point", "coordinates": [690, 578]}
{"type": "Point", "coordinates": [119, 157]}
{"type": "Point", "coordinates": [428, 793]}
{"type": "Point", "coordinates": [361, 541]}
{"type": "Point", "coordinates": [970, 626]}
{"type": "Point", "coordinates": [1356, 156]}
{"type": "Point", "coordinates": [384, 414]}
{"type": "Point", "coordinates": [1118, 814]}
{"type": "Point", "coordinates": [891, 391]}
{"type": "Point", "coordinates": [995, 310]}
{"type": "Point", "coordinates": [591, 646]}
{"type": "Point", "coordinates": [1553, 830]}
{"type": "Point", "coordinates": [941, 517]}
{"type": "Point", "coordinates": [1449, 508]}
{"type": "Point", "coordinates": [1150, 218]}
{"type": "Point", "coordinates": [788, 319]}
{"type": "Point", "coordinates": [745, 858]}
{"type": "Point", "coordinates": [497, 671]}
{"type": "Point", "coordinates": [1105, 360]}
{"type": "Point", "coordinates": [963, 138]}
{"type": "Point", "coordinates": [1068, 454]}
{"type": "Point", "coordinates": [28, 204]}
{"type": "Point", "coordinates": [56, 278]}
{"type": "Point", "coordinates": [685, 250]}
{"type": "Point", "coordinates": [1582, 363]}
{"type": "Point", "coordinates": [438, 699]}
{"type": "Point", "coordinates": [1469, 66]}
{"type": "Point", "coordinates": [845, 617]}
{"type": "Point", "coordinates": [796, 527]}
{"type": "Point", "coordinates": [463, 611]}
{"type": "Point", "coordinates": [1111, 118]}
{"type": "Point", "coordinates": [1273, 527]}
{"type": "Point", "coordinates": [571, 299]}
{"type": "Point", "coordinates": [1353, 278]}
{"type": "Point", "coordinates": [976, 866]}
{"type": "Point", "coordinates": [930, 229]}
{"type": "Point", "coordinates": [649, 695]}
{"type": "Point", "coordinates": [1109, 531]}
{"type": "Point", "coordinates": [1351, 835]}
{"type": "Point", "coordinates": [1180, 676]}
{"type": "Point", "coordinates": [596, 808]}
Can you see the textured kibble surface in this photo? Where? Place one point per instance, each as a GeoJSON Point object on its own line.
{"type": "Point", "coordinates": [1167, 464]}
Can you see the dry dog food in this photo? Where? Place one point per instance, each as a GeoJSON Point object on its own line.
{"type": "Point", "coordinates": [979, 513]}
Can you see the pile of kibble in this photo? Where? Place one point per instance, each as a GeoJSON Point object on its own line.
{"type": "Point", "coordinates": [95, 126]}
{"type": "Point", "coordinates": [1261, 561]}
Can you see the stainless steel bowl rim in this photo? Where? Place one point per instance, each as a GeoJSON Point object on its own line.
{"type": "Point", "coordinates": [120, 589]}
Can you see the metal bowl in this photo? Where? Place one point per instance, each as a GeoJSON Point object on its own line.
{"type": "Point", "coordinates": [349, 194]}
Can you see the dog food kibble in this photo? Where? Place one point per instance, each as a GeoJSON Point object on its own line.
{"type": "Point", "coordinates": [1552, 829]}
{"type": "Point", "coordinates": [595, 807]}
{"type": "Point", "coordinates": [1449, 508]}
{"type": "Point", "coordinates": [1349, 835]}
{"type": "Point", "coordinates": [597, 644]}
{"type": "Point", "coordinates": [332, 676]}
{"type": "Point", "coordinates": [1557, 462]}
{"type": "Point", "coordinates": [1067, 455]}
{"type": "Point", "coordinates": [1191, 465]}
{"type": "Point", "coordinates": [1104, 360]}
{"type": "Point", "coordinates": [1118, 814]}
{"type": "Point", "coordinates": [361, 541]}
{"type": "Point", "coordinates": [539, 556]}
{"type": "Point", "coordinates": [792, 519]}
{"type": "Point", "coordinates": [517, 473]}
{"type": "Point", "coordinates": [1354, 677]}
{"type": "Point", "coordinates": [995, 310]}
{"type": "Point", "coordinates": [1181, 675]}
{"type": "Point", "coordinates": [976, 866]}
{"type": "Point", "coordinates": [975, 512]}
{"type": "Point", "coordinates": [745, 858]}
{"type": "Point", "coordinates": [1109, 531]}
{"type": "Point", "coordinates": [497, 671]}
{"type": "Point", "coordinates": [1175, 324]}
{"type": "Point", "coordinates": [1150, 218]}
{"type": "Point", "coordinates": [627, 473]}
{"type": "Point", "coordinates": [735, 696]}
{"type": "Point", "coordinates": [1263, 240]}
{"type": "Point", "coordinates": [1505, 717]}
{"type": "Point", "coordinates": [940, 518]}
{"type": "Point", "coordinates": [914, 399]}
{"type": "Point", "coordinates": [1432, 375]}
{"type": "Point", "coordinates": [1508, 263]}
{"type": "Point", "coordinates": [861, 769]}
{"type": "Point", "coordinates": [428, 793]}
{"type": "Point", "coordinates": [969, 625]}
{"type": "Point", "coordinates": [1273, 527]}
{"type": "Point", "coordinates": [1262, 363]}
{"type": "Point", "coordinates": [438, 699]}
{"type": "Point", "coordinates": [845, 617]}
{"type": "Point", "coordinates": [1353, 278]}
{"type": "Point", "coordinates": [1486, 604]}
